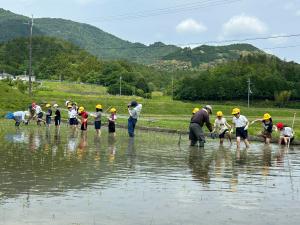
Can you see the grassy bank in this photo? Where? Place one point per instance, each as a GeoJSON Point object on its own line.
{"type": "Point", "coordinates": [160, 111]}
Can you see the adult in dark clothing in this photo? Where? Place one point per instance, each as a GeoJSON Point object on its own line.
{"type": "Point", "coordinates": [197, 122]}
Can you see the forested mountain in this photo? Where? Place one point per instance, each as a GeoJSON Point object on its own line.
{"type": "Point", "coordinates": [90, 38]}
{"type": "Point", "coordinates": [107, 46]}
{"type": "Point", "coordinates": [57, 59]}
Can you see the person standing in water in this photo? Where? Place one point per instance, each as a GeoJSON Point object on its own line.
{"type": "Point", "coordinates": [112, 121]}
{"type": "Point", "coordinates": [84, 118]}
{"type": "Point", "coordinates": [134, 110]}
{"type": "Point", "coordinates": [222, 127]}
{"type": "Point", "coordinates": [267, 124]}
{"type": "Point", "coordinates": [97, 116]}
{"type": "Point", "coordinates": [48, 115]}
{"type": "Point", "coordinates": [198, 120]}
{"type": "Point", "coordinates": [57, 118]}
{"type": "Point", "coordinates": [241, 124]}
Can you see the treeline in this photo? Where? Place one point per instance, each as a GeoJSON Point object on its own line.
{"type": "Point", "coordinates": [60, 60]}
{"type": "Point", "coordinates": [269, 76]}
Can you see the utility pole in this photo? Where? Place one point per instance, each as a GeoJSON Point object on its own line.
{"type": "Point", "coordinates": [120, 85]}
{"type": "Point", "coordinates": [30, 56]}
{"type": "Point", "coordinates": [249, 91]}
{"type": "Point", "coordinates": [172, 88]}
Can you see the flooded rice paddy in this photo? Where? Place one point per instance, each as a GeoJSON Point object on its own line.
{"type": "Point", "coordinates": [68, 178]}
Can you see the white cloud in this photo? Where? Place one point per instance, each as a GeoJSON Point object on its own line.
{"type": "Point", "coordinates": [298, 13]}
{"type": "Point", "coordinates": [243, 25]}
{"type": "Point", "coordinates": [190, 26]}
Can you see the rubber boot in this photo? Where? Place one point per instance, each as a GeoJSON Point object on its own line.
{"type": "Point", "coordinates": [201, 144]}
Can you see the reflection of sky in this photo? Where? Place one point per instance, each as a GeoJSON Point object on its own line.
{"type": "Point", "coordinates": [17, 138]}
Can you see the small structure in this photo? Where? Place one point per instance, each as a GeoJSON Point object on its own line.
{"type": "Point", "coordinates": [4, 76]}
{"type": "Point", "coordinates": [25, 78]}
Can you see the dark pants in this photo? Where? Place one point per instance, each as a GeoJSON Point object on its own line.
{"type": "Point", "coordinates": [131, 125]}
{"type": "Point", "coordinates": [196, 134]}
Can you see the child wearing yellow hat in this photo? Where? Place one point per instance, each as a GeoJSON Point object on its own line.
{"type": "Point", "coordinates": [112, 121]}
{"type": "Point", "coordinates": [48, 115]}
{"type": "Point", "coordinates": [222, 127]}
{"type": "Point", "coordinates": [241, 124]}
{"type": "Point", "coordinates": [267, 124]}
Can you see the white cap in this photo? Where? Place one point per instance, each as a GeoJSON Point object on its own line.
{"type": "Point", "coordinates": [67, 102]}
{"type": "Point", "coordinates": [209, 107]}
{"type": "Point", "coordinates": [55, 105]}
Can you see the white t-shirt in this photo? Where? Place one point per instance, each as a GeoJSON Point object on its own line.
{"type": "Point", "coordinates": [38, 109]}
{"type": "Point", "coordinates": [220, 125]}
{"type": "Point", "coordinates": [286, 132]}
{"type": "Point", "coordinates": [240, 122]}
{"type": "Point", "coordinates": [72, 113]}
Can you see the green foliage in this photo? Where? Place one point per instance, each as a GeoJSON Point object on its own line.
{"type": "Point", "coordinates": [56, 59]}
{"type": "Point", "coordinates": [282, 98]}
{"type": "Point", "coordinates": [211, 54]}
{"type": "Point", "coordinates": [90, 38]}
{"type": "Point", "coordinates": [229, 80]}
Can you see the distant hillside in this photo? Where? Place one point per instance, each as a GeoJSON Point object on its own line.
{"type": "Point", "coordinates": [57, 59]}
{"type": "Point", "coordinates": [211, 54]}
{"type": "Point", "coordinates": [90, 38]}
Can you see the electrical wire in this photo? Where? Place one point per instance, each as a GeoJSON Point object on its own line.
{"type": "Point", "coordinates": [165, 11]}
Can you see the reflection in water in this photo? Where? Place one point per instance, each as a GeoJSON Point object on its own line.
{"type": "Point", "coordinates": [112, 147]}
{"type": "Point", "coordinates": [136, 178]}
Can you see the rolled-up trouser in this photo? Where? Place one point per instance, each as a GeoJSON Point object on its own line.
{"type": "Point", "coordinates": [196, 134]}
{"type": "Point", "coordinates": [18, 120]}
{"type": "Point", "coordinates": [131, 126]}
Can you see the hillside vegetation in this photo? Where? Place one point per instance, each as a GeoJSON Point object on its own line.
{"type": "Point", "coordinates": [107, 46]}
{"type": "Point", "coordinates": [228, 81]}
{"type": "Point", "coordinates": [55, 59]}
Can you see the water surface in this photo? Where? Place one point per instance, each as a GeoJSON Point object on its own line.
{"type": "Point", "coordinates": [50, 177]}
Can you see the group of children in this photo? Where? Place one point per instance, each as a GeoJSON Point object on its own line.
{"type": "Point", "coordinates": [76, 115]}
{"type": "Point", "coordinates": [240, 125]}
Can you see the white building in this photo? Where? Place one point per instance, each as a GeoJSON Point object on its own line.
{"type": "Point", "coordinates": [25, 78]}
{"type": "Point", "coordinates": [4, 76]}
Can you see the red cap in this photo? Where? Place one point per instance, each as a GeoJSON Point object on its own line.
{"type": "Point", "coordinates": [279, 125]}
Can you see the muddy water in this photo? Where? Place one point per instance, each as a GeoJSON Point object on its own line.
{"type": "Point", "coordinates": [66, 178]}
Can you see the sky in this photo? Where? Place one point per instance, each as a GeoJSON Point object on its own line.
{"type": "Point", "coordinates": [181, 22]}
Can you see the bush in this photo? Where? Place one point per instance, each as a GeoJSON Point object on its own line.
{"type": "Point", "coordinates": [282, 98]}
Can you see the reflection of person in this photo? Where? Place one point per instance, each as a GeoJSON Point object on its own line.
{"type": "Point", "coordinates": [241, 124]}
{"type": "Point", "coordinates": [286, 134]}
{"type": "Point", "coordinates": [196, 132]}
{"type": "Point", "coordinates": [134, 110]}
{"type": "Point", "coordinates": [111, 148]}
{"type": "Point", "coordinates": [267, 124]}
{"type": "Point", "coordinates": [199, 165]}
{"type": "Point", "coordinates": [222, 127]}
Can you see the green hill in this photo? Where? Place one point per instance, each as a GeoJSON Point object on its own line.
{"type": "Point", "coordinates": [107, 46]}
{"type": "Point", "coordinates": [90, 38]}
{"type": "Point", "coordinates": [211, 54]}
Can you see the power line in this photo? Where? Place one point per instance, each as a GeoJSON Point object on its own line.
{"type": "Point", "coordinates": [206, 42]}
{"type": "Point", "coordinates": [168, 10]}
